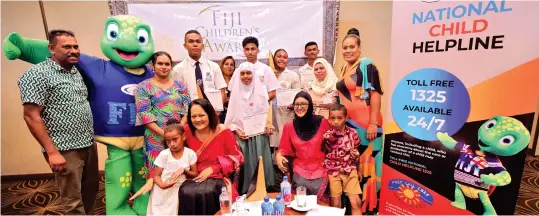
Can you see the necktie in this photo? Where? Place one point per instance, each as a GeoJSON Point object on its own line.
{"type": "Point", "coordinates": [198, 74]}
{"type": "Point", "coordinates": [200, 83]}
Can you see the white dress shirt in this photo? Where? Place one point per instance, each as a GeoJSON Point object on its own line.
{"type": "Point", "coordinates": [211, 75]}
{"type": "Point", "coordinates": [306, 74]}
{"type": "Point", "coordinates": [266, 76]}
{"type": "Point", "coordinates": [305, 69]}
{"type": "Point", "coordinates": [289, 79]}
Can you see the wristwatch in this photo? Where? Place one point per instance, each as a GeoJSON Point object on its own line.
{"type": "Point", "coordinates": [374, 123]}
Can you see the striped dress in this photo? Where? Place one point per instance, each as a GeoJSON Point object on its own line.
{"type": "Point", "coordinates": [354, 87]}
{"type": "Point", "coordinates": [154, 104]}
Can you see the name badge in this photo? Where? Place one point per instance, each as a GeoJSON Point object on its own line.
{"type": "Point", "coordinates": [209, 77]}
{"type": "Point", "coordinates": [194, 95]}
{"type": "Point", "coordinates": [286, 84]}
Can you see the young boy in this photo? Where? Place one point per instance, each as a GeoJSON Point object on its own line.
{"type": "Point", "coordinates": [263, 72]}
{"type": "Point", "coordinates": [341, 144]}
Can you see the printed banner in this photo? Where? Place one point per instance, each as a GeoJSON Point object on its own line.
{"type": "Point", "coordinates": [463, 95]}
{"type": "Point", "coordinates": [223, 25]}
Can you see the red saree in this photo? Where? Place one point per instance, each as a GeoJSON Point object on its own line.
{"type": "Point", "coordinates": [221, 152]}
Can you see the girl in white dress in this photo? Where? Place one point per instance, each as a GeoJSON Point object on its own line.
{"type": "Point", "coordinates": [173, 165]}
{"type": "Point", "coordinates": [249, 98]}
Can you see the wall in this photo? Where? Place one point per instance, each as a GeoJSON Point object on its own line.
{"type": "Point", "coordinates": [21, 153]}
{"type": "Point", "coordinates": [373, 20]}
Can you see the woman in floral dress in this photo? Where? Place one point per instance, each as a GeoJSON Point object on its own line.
{"type": "Point", "coordinates": [158, 99]}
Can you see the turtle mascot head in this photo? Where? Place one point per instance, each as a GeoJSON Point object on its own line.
{"type": "Point", "coordinates": [127, 41]}
{"type": "Point", "coordinates": [503, 136]}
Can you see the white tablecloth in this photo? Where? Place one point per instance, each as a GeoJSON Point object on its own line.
{"type": "Point", "coordinates": [255, 208]}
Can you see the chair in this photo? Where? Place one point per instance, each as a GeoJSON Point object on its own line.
{"type": "Point", "coordinates": [290, 169]}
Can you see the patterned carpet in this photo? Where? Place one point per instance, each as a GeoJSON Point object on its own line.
{"type": "Point", "coordinates": [528, 201]}
{"type": "Point", "coordinates": [40, 197]}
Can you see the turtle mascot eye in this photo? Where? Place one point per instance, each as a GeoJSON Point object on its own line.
{"type": "Point", "coordinates": [479, 170]}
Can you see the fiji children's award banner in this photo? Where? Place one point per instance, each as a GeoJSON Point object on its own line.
{"type": "Point", "coordinates": [224, 24]}
{"type": "Point", "coordinates": [464, 88]}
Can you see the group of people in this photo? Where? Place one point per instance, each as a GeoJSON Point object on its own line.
{"type": "Point", "coordinates": [328, 138]}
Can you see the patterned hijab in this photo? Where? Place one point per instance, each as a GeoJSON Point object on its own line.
{"type": "Point", "coordinates": [321, 87]}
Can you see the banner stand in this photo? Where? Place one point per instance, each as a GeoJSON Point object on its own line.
{"type": "Point", "coordinates": [463, 103]}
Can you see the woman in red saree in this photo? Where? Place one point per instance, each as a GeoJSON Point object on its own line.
{"type": "Point", "coordinates": [218, 157]}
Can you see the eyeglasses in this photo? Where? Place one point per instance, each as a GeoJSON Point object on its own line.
{"type": "Point", "coordinates": [301, 105]}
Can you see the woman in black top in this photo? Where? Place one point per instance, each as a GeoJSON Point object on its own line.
{"type": "Point", "coordinates": [227, 65]}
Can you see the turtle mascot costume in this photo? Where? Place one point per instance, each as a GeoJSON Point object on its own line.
{"type": "Point", "coordinates": [479, 170]}
{"type": "Point", "coordinates": [127, 41]}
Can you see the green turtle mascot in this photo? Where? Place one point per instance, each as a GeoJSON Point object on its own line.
{"type": "Point", "coordinates": [127, 41]}
{"type": "Point", "coordinates": [479, 170]}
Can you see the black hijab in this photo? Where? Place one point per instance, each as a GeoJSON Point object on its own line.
{"type": "Point", "coordinates": [306, 126]}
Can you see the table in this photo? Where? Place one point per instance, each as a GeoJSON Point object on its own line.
{"type": "Point", "coordinates": [287, 210]}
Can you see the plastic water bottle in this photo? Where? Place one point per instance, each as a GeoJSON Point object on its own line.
{"type": "Point", "coordinates": [224, 202]}
{"type": "Point", "coordinates": [267, 207]}
{"type": "Point", "coordinates": [278, 206]}
{"type": "Point", "coordinates": [286, 191]}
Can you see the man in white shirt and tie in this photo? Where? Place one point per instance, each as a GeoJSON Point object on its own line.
{"type": "Point", "coordinates": [306, 71]}
{"type": "Point", "coordinates": [263, 71]}
{"type": "Point", "coordinates": [199, 74]}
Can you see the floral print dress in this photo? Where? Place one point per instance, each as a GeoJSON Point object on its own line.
{"type": "Point", "coordinates": [155, 104]}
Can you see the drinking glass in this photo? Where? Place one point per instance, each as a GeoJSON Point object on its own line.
{"type": "Point", "coordinates": [241, 206]}
{"type": "Point", "coordinates": [301, 196]}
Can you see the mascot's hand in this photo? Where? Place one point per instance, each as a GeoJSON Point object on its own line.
{"type": "Point", "coordinates": [446, 140]}
{"type": "Point", "coordinates": [501, 179]}
{"type": "Point", "coordinates": [144, 189]}
{"type": "Point", "coordinates": [29, 50]}
{"type": "Point", "coordinates": [13, 44]}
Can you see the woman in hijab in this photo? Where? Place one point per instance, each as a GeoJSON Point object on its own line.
{"type": "Point", "coordinates": [302, 141]}
{"type": "Point", "coordinates": [249, 98]}
{"type": "Point", "coordinates": [322, 88]}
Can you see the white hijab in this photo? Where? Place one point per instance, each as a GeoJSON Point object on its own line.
{"type": "Point", "coordinates": [245, 99]}
{"type": "Point", "coordinates": [326, 85]}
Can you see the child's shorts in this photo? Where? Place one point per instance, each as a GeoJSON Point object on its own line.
{"type": "Point", "coordinates": [347, 183]}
